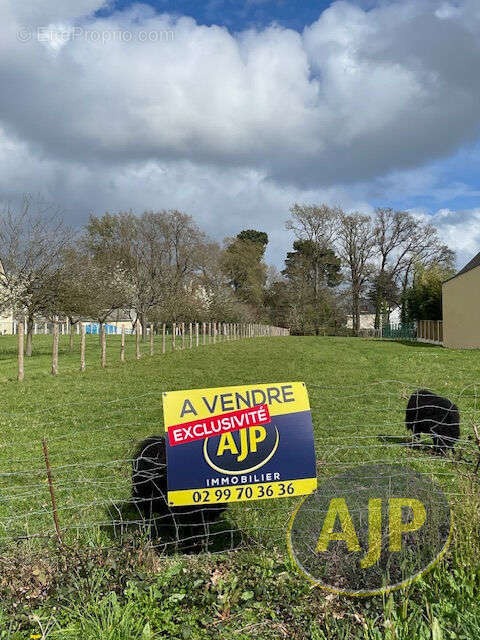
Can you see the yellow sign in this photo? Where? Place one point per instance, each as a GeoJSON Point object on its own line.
{"type": "Point", "coordinates": [263, 447]}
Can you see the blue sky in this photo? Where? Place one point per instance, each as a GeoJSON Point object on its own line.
{"type": "Point", "coordinates": [237, 15]}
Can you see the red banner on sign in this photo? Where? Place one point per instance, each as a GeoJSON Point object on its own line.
{"type": "Point", "coordinates": [216, 425]}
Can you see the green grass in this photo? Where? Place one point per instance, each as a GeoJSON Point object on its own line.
{"type": "Point", "coordinates": [358, 391]}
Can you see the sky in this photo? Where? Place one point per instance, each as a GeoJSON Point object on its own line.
{"type": "Point", "coordinates": [232, 110]}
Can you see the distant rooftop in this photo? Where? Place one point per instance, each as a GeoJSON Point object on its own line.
{"type": "Point", "coordinates": [474, 262]}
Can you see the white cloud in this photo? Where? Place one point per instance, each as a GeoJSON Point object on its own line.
{"type": "Point", "coordinates": [460, 230]}
{"type": "Point", "coordinates": [357, 94]}
{"type": "Point", "coordinates": [42, 12]}
{"type": "Point", "coordinates": [234, 128]}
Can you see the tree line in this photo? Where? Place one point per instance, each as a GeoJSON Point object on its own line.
{"type": "Point", "coordinates": [161, 267]}
{"type": "Point", "coordinates": [343, 262]}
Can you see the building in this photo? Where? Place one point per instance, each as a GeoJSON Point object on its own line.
{"type": "Point", "coordinates": [367, 317]}
{"type": "Point", "coordinates": [461, 308]}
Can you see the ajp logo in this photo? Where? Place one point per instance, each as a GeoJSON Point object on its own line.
{"type": "Point", "coordinates": [242, 451]}
{"type": "Point", "coordinates": [230, 444]}
{"type": "Point", "coordinates": [370, 530]}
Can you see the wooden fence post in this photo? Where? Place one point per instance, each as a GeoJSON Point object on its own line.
{"type": "Point", "coordinates": [50, 486]}
{"type": "Point", "coordinates": [137, 340]}
{"type": "Point", "coordinates": [70, 337]}
{"type": "Point", "coordinates": [174, 330]}
{"type": "Point", "coordinates": [82, 348]}
{"type": "Point", "coordinates": [151, 339]}
{"type": "Point", "coordinates": [122, 345]}
{"type": "Point", "coordinates": [55, 349]}
{"type": "Point", "coordinates": [20, 375]}
{"type": "Point", "coordinates": [103, 341]}
{"type": "Point", "coordinates": [163, 338]}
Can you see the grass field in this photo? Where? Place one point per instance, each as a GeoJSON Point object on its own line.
{"type": "Point", "coordinates": [358, 391]}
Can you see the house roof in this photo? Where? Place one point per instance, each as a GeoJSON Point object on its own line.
{"type": "Point", "coordinates": [473, 264]}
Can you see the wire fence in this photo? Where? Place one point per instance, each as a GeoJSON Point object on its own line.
{"type": "Point", "coordinates": [81, 491]}
{"type": "Point", "coordinates": [163, 337]}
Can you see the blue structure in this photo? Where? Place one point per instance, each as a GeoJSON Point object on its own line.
{"type": "Point", "coordinates": [94, 328]}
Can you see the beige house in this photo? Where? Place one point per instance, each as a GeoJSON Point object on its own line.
{"type": "Point", "coordinates": [461, 308]}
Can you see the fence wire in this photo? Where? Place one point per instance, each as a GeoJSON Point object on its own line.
{"type": "Point", "coordinates": [92, 463]}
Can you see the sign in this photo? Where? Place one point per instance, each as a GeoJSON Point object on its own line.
{"type": "Point", "coordinates": [231, 444]}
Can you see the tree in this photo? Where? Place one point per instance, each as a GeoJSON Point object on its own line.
{"type": "Point", "coordinates": [33, 243]}
{"type": "Point", "coordinates": [424, 297]}
{"type": "Point", "coordinates": [313, 262]}
{"type": "Point", "coordinates": [395, 238]}
{"type": "Point", "coordinates": [243, 265]}
{"type": "Point", "coordinates": [385, 288]}
{"type": "Point", "coordinates": [356, 244]}
{"type": "Point", "coordinates": [317, 223]}
{"type": "Point", "coordinates": [91, 286]}
{"type": "Point", "coordinates": [310, 269]}
{"type": "Point", "coordinates": [158, 254]}
{"type": "Point", "coordinates": [260, 237]}
{"type": "Point", "coordinates": [428, 251]}
{"type": "Point", "coordinates": [213, 293]}
{"type": "Point", "coordinates": [278, 301]}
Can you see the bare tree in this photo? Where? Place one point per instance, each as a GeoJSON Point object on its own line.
{"type": "Point", "coordinates": [395, 238]}
{"type": "Point", "coordinates": [33, 242]}
{"type": "Point", "coordinates": [91, 287]}
{"type": "Point", "coordinates": [318, 223]}
{"type": "Point", "coordinates": [356, 245]}
{"type": "Point", "coordinates": [401, 242]}
{"type": "Point", "coordinates": [157, 253]}
{"type": "Point", "coordinates": [427, 251]}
